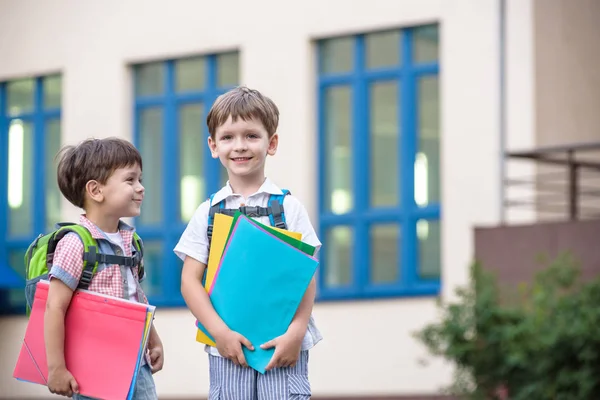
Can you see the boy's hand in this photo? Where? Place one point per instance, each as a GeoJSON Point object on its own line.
{"type": "Point", "coordinates": [229, 344]}
{"type": "Point", "coordinates": [60, 381]}
{"type": "Point", "coordinates": [155, 351]}
{"type": "Point", "coordinates": [287, 349]}
{"type": "Point", "coordinates": [157, 359]}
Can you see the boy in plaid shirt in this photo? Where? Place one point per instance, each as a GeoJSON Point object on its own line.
{"type": "Point", "coordinates": [104, 177]}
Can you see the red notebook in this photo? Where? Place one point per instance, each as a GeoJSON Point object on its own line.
{"type": "Point", "coordinates": [104, 342]}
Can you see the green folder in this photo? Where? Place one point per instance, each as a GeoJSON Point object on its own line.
{"type": "Point", "coordinates": [300, 245]}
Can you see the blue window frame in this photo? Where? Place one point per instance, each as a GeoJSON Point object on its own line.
{"type": "Point", "coordinates": [29, 197]}
{"type": "Point", "coordinates": [172, 99]}
{"type": "Point", "coordinates": [379, 158]}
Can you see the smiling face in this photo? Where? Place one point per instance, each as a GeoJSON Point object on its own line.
{"type": "Point", "coordinates": [123, 193]}
{"type": "Point", "coordinates": [243, 146]}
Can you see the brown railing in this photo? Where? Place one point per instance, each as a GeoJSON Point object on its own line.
{"type": "Point", "coordinates": [566, 184]}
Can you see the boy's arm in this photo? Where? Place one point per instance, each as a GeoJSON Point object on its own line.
{"type": "Point", "coordinates": [299, 221]}
{"type": "Point", "coordinates": [197, 299]}
{"type": "Point", "coordinates": [155, 350]}
{"type": "Point", "coordinates": [64, 276]}
{"type": "Point", "coordinates": [228, 342]}
{"type": "Point", "coordinates": [59, 297]}
{"type": "Point", "coordinates": [193, 249]}
{"type": "Point", "coordinates": [299, 323]}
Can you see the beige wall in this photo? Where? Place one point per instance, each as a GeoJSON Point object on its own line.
{"type": "Point", "coordinates": [567, 59]}
{"type": "Point", "coordinates": [92, 43]}
{"type": "Point", "coordinates": [519, 102]}
{"type": "Point", "coordinates": [567, 93]}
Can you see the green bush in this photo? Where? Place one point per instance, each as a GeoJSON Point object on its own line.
{"type": "Point", "coordinates": [541, 341]}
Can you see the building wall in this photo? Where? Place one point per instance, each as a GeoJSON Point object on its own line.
{"type": "Point", "coordinates": [567, 56]}
{"type": "Point", "coordinates": [367, 348]}
{"type": "Point", "coordinates": [519, 104]}
{"type": "Point", "coordinates": [567, 92]}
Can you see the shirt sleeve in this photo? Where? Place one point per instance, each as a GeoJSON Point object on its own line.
{"type": "Point", "coordinates": [297, 220]}
{"type": "Point", "coordinates": [194, 240]}
{"type": "Point", "coordinates": [67, 264]}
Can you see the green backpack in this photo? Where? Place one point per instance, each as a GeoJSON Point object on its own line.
{"type": "Point", "coordinates": [40, 255]}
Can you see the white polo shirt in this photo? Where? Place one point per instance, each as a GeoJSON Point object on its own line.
{"type": "Point", "coordinates": [194, 240]}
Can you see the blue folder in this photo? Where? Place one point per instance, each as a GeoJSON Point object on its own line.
{"type": "Point", "coordinates": [259, 285]}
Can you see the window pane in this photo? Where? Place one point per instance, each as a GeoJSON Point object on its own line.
{"type": "Point", "coordinates": [427, 162]}
{"type": "Point", "coordinates": [426, 43]}
{"type": "Point", "coordinates": [228, 66]}
{"type": "Point", "coordinates": [385, 253]}
{"type": "Point", "coordinates": [16, 260]}
{"type": "Point", "coordinates": [384, 144]}
{"type": "Point", "coordinates": [152, 264]}
{"type": "Point", "coordinates": [151, 122]}
{"type": "Point", "coordinates": [192, 145]}
{"type": "Point", "coordinates": [430, 261]}
{"type": "Point", "coordinates": [338, 151]}
{"type": "Point", "coordinates": [336, 55]}
{"type": "Point", "coordinates": [16, 296]}
{"type": "Point", "coordinates": [190, 74]}
{"type": "Point", "coordinates": [19, 96]}
{"type": "Point", "coordinates": [383, 49]}
{"type": "Point", "coordinates": [149, 79]}
{"type": "Point", "coordinates": [16, 299]}
{"type": "Point", "coordinates": [52, 91]}
{"type": "Point", "coordinates": [53, 196]}
{"type": "Point", "coordinates": [20, 178]}
{"type": "Point", "coordinates": [340, 242]}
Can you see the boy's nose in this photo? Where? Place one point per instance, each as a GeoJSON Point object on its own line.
{"type": "Point", "coordinates": [240, 145]}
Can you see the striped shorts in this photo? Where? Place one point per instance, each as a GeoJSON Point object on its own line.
{"type": "Point", "coordinates": [231, 382]}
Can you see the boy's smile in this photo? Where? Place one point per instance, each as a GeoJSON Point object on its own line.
{"type": "Point", "coordinates": [241, 159]}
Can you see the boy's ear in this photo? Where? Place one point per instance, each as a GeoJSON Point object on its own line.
{"type": "Point", "coordinates": [93, 189]}
{"type": "Point", "coordinates": [212, 145]}
{"type": "Point", "coordinates": [273, 142]}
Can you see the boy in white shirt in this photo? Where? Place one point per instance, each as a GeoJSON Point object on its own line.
{"type": "Point", "coordinates": [242, 124]}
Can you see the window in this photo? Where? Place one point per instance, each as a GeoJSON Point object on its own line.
{"type": "Point", "coordinates": [29, 196]}
{"type": "Point", "coordinates": [379, 194]}
{"type": "Point", "coordinates": [172, 99]}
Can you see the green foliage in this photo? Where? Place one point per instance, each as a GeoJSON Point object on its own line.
{"type": "Point", "coordinates": [539, 342]}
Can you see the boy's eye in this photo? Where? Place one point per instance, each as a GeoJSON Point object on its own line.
{"type": "Point", "coordinates": [227, 137]}
{"type": "Point", "coordinates": [253, 136]}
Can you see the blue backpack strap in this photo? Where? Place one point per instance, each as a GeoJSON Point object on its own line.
{"type": "Point", "coordinates": [277, 215]}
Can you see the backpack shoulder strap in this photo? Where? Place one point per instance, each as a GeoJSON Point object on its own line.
{"type": "Point", "coordinates": [277, 214]}
{"type": "Point", "coordinates": [90, 250]}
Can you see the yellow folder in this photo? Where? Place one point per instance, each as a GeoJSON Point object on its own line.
{"type": "Point", "coordinates": [221, 227]}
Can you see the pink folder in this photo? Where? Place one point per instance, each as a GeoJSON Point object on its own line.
{"type": "Point", "coordinates": [104, 339]}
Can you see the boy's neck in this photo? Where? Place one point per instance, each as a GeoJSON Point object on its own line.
{"type": "Point", "coordinates": [108, 224]}
{"type": "Point", "coordinates": [246, 185]}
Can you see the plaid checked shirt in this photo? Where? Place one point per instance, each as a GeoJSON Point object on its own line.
{"type": "Point", "coordinates": [110, 279]}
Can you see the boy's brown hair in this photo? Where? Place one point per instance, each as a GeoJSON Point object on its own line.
{"type": "Point", "coordinates": [243, 103]}
{"type": "Point", "coordinates": [92, 159]}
